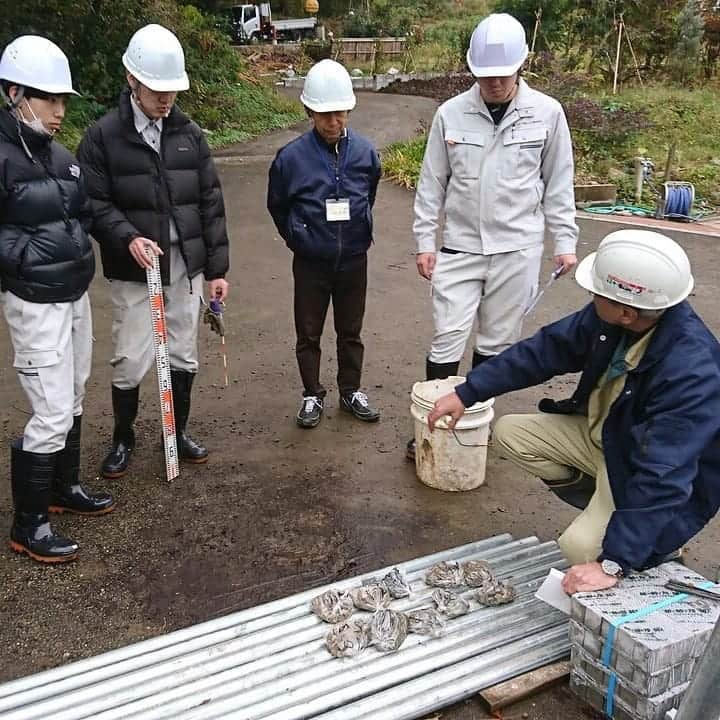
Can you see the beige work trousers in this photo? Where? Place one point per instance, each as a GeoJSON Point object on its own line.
{"type": "Point", "coordinates": [551, 447]}
{"type": "Point", "coordinates": [494, 289]}
{"type": "Point", "coordinates": [133, 350]}
{"type": "Point", "coordinates": [53, 357]}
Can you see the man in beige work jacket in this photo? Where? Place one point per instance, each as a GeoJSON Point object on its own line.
{"type": "Point", "coordinates": [497, 174]}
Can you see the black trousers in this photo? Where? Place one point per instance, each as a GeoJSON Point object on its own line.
{"type": "Point", "coordinates": [316, 283]}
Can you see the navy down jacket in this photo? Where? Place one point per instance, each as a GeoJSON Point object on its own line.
{"type": "Point", "coordinates": [661, 438]}
{"type": "Point", "coordinates": [306, 173]}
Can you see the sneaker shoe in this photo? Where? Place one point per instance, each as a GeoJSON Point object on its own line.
{"type": "Point", "coordinates": [410, 450]}
{"type": "Point", "coordinates": [310, 412]}
{"type": "Point", "coordinates": [357, 404]}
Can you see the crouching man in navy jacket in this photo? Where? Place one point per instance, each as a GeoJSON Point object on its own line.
{"type": "Point", "coordinates": [321, 194]}
{"type": "Point", "coordinates": [637, 447]}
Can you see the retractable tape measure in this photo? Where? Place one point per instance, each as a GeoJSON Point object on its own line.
{"type": "Point", "coordinates": [162, 363]}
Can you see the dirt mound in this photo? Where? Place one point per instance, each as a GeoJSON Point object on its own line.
{"type": "Point", "coordinates": [440, 88]}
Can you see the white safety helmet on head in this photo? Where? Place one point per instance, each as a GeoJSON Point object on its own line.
{"type": "Point", "coordinates": [36, 62]}
{"type": "Point", "coordinates": [639, 268]}
{"type": "Point", "coordinates": [498, 47]}
{"type": "Point", "coordinates": [155, 57]}
{"type": "Point", "coordinates": [328, 88]}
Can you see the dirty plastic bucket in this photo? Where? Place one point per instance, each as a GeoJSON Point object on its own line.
{"type": "Point", "coordinates": [444, 459]}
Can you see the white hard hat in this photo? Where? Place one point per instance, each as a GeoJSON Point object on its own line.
{"type": "Point", "coordinates": [640, 268]}
{"type": "Point", "coordinates": [155, 57]}
{"type": "Point", "coordinates": [498, 47]}
{"type": "Point", "coordinates": [328, 88]}
{"type": "Point", "coordinates": [36, 62]}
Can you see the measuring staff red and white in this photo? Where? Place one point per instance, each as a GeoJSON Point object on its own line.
{"type": "Point", "coordinates": [154, 188]}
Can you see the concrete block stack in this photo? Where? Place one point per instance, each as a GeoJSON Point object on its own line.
{"type": "Point", "coordinates": [634, 647]}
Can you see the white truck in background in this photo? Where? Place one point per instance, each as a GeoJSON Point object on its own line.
{"type": "Point", "coordinates": [254, 23]}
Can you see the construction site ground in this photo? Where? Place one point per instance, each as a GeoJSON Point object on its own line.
{"type": "Point", "coordinates": [277, 509]}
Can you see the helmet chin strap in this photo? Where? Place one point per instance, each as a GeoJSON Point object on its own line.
{"type": "Point", "coordinates": [8, 101]}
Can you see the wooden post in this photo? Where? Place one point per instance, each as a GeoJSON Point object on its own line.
{"type": "Point", "coordinates": [670, 161]}
{"type": "Point", "coordinates": [617, 54]}
{"type": "Point", "coordinates": [538, 18]}
{"type": "Point", "coordinates": [632, 52]}
{"type": "Point", "coordinates": [638, 180]}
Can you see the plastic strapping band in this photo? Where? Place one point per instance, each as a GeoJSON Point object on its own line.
{"type": "Point", "coordinates": [630, 617]}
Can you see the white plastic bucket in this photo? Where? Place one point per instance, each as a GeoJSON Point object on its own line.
{"type": "Point", "coordinates": [444, 459]}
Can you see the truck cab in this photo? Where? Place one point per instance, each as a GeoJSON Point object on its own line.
{"type": "Point", "coordinates": [253, 23]}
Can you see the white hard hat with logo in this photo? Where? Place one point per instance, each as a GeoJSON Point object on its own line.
{"type": "Point", "coordinates": [639, 268]}
{"type": "Point", "coordinates": [155, 57]}
{"type": "Point", "coordinates": [36, 62]}
{"type": "Point", "coordinates": [498, 47]}
{"type": "Point", "coordinates": [328, 88]}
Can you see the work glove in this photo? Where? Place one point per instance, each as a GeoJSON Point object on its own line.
{"type": "Point", "coordinates": [213, 316]}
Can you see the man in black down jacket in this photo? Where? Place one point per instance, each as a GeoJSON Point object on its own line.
{"type": "Point", "coordinates": [154, 189]}
{"type": "Point", "coordinates": [46, 265]}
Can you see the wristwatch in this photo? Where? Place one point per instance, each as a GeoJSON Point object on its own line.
{"type": "Point", "coordinates": [610, 567]}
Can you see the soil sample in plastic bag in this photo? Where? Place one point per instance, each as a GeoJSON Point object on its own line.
{"type": "Point", "coordinates": [477, 573]}
{"type": "Point", "coordinates": [348, 639]}
{"type": "Point", "coordinates": [450, 604]}
{"type": "Point", "coordinates": [396, 585]}
{"type": "Point", "coordinates": [497, 593]}
{"type": "Point", "coordinates": [333, 606]}
{"type": "Point", "coordinates": [445, 574]}
{"type": "Point", "coordinates": [371, 597]}
{"type": "Point", "coordinates": [388, 630]}
{"type": "Point", "coordinates": [425, 621]}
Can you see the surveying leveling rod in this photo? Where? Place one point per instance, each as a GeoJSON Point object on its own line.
{"type": "Point", "coordinates": [162, 363]}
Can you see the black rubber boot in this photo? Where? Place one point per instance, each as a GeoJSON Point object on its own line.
{"type": "Point", "coordinates": [576, 490]}
{"type": "Point", "coordinates": [478, 359]}
{"type": "Point", "coordinates": [433, 371]}
{"type": "Point", "coordinates": [188, 449]}
{"type": "Point", "coordinates": [125, 407]}
{"type": "Point", "coordinates": [32, 476]}
{"type": "Point", "coordinates": [68, 493]}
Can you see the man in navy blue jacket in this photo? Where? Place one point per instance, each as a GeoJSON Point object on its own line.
{"type": "Point", "coordinates": [637, 446]}
{"type": "Point", "coordinates": [321, 193]}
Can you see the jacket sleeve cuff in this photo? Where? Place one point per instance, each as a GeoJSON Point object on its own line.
{"type": "Point", "coordinates": [466, 394]}
{"type": "Point", "coordinates": [565, 247]}
{"type": "Point", "coordinates": [426, 245]}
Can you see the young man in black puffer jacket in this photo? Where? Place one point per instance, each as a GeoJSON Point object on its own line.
{"type": "Point", "coordinates": [46, 265]}
{"type": "Point", "coordinates": [154, 189]}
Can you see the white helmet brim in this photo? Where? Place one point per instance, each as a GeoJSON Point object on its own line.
{"type": "Point", "coordinates": [497, 71]}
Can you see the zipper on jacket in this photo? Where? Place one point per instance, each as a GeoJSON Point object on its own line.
{"type": "Point", "coordinates": [337, 197]}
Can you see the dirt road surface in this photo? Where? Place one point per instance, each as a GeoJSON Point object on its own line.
{"type": "Point", "coordinates": [277, 509]}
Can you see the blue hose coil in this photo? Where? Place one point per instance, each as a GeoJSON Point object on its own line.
{"type": "Point", "coordinates": [678, 201]}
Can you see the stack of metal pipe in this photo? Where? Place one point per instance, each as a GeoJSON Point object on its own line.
{"type": "Point", "coordinates": [270, 661]}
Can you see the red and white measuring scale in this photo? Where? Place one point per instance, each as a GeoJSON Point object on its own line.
{"type": "Point", "coordinates": [162, 363]}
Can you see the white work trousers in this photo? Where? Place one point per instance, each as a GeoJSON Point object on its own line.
{"type": "Point", "coordinates": [133, 350]}
{"type": "Point", "coordinates": [53, 357]}
{"type": "Point", "coordinates": [496, 289]}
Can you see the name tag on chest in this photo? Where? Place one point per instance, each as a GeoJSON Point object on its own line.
{"type": "Point", "coordinates": [337, 210]}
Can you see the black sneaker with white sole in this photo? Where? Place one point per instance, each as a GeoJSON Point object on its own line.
{"type": "Point", "coordinates": [310, 412]}
{"type": "Point", "coordinates": [358, 405]}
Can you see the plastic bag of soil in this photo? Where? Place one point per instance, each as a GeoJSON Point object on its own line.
{"type": "Point", "coordinates": [497, 593]}
{"type": "Point", "coordinates": [445, 574]}
{"type": "Point", "coordinates": [388, 630]}
{"type": "Point", "coordinates": [449, 603]}
{"type": "Point", "coordinates": [333, 606]}
{"type": "Point", "coordinates": [396, 585]}
{"type": "Point", "coordinates": [348, 639]}
{"type": "Point", "coordinates": [425, 621]}
{"type": "Point", "coordinates": [371, 597]}
{"type": "Point", "coordinates": [477, 573]}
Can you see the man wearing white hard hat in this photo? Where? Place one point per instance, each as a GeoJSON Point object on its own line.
{"type": "Point", "coordinates": [154, 190]}
{"type": "Point", "coordinates": [321, 194]}
{"type": "Point", "coordinates": [497, 174]}
{"type": "Point", "coordinates": [46, 265]}
{"type": "Point", "coordinates": [637, 446]}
